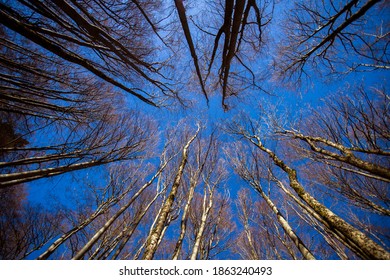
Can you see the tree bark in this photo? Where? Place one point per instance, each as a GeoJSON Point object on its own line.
{"type": "Point", "coordinates": [367, 245]}
{"type": "Point", "coordinates": [154, 237]}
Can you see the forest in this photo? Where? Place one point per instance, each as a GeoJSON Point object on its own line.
{"type": "Point", "coordinates": [194, 130]}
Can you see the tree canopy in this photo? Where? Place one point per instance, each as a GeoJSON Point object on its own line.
{"type": "Point", "coordinates": [169, 129]}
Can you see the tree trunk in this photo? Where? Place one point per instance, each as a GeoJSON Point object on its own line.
{"type": "Point", "coordinates": [367, 245]}
{"type": "Point", "coordinates": [154, 237]}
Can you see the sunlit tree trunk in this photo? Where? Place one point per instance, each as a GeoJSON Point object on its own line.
{"type": "Point", "coordinates": [367, 245]}
{"type": "Point", "coordinates": [286, 226]}
{"type": "Point", "coordinates": [128, 231]}
{"type": "Point", "coordinates": [103, 229]}
{"type": "Point", "coordinates": [183, 223]}
{"type": "Point", "coordinates": [206, 207]}
{"type": "Point", "coordinates": [154, 237]}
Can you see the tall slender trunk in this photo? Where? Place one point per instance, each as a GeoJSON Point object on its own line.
{"type": "Point", "coordinates": [104, 228]}
{"type": "Point", "coordinates": [206, 211]}
{"type": "Point", "coordinates": [183, 223]}
{"type": "Point", "coordinates": [7, 180]}
{"type": "Point", "coordinates": [286, 226]}
{"type": "Point", "coordinates": [128, 232]}
{"type": "Point", "coordinates": [367, 245]}
{"type": "Point", "coordinates": [154, 236]}
{"type": "Point", "coordinates": [45, 255]}
{"type": "Point", "coordinates": [248, 233]}
{"type": "Point", "coordinates": [184, 23]}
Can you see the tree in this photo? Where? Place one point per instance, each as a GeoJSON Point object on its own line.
{"type": "Point", "coordinates": [92, 102]}
{"type": "Point", "coordinates": [333, 37]}
{"type": "Point", "coordinates": [119, 187]}
{"type": "Point", "coordinates": [362, 245]}
{"type": "Point", "coordinates": [196, 168]}
{"type": "Point", "coordinates": [262, 236]}
{"type": "Point", "coordinates": [212, 229]}
{"type": "Point", "coordinates": [86, 35]}
{"type": "Point", "coordinates": [250, 171]}
{"type": "Point", "coordinates": [156, 233]}
{"type": "Point", "coordinates": [114, 140]}
{"type": "Point", "coordinates": [44, 95]}
{"type": "Point", "coordinates": [26, 227]}
{"type": "Point", "coordinates": [242, 23]}
{"type": "Point", "coordinates": [349, 138]}
{"type": "Point", "coordinates": [237, 23]}
{"type": "Point", "coordinates": [184, 23]}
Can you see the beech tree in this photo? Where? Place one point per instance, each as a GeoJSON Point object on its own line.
{"type": "Point", "coordinates": [249, 170]}
{"type": "Point", "coordinates": [195, 169]}
{"type": "Point", "coordinates": [262, 236]}
{"type": "Point", "coordinates": [119, 187]}
{"type": "Point", "coordinates": [349, 138]}
{"type": "Point", "coordinates": [212, 231]}
{"type": "Point", "coordinates": [242, 25]}
{"type": "Point", "coordinates": [155, 234]}
{"type": "Point", "coordinates": [112, 227]}
{"type": "Point", "coordinates": [332, 151]}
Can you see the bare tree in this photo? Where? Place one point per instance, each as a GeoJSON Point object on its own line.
{"type": "Point", "coordinates": [118, 188]}
{"type": "Point", "coordinates": [326, 36]}
{"type": "Point", "coordinates": [262, 236]}
{"type": "Point", "coordinates": [86, 34]}
{"type": "Point", "coordinates": [113, 140]}
{"type": "Point", "coordinates": [108, 223]}
{"type": "Point", "coordinates": [242, 24]}
{"type": "Point", "coordinates": [250, 169]}
{"type": "Point", "coordinates": [212, 229]}
{"type": "Point", "coordinates": [236, 24]}
{"type": "Point", "coordinates": [184, 23]}
{"type": "Point", "coordinates": [25, 227]}
{"type": "Point", "coordinates": [213, 178]}
{"type": "Point", "coordinates": [349, 139]}
{"type": "Point", "coordinates": [247, 247]}
{"type": "Point", "coordinates": [154, 236]}
{"type": "Point", "coordinates": [59, 117]}
{"type": "Point", "coordinates": [195, 166]}
{"type": "Point", "coordinates": [354, 238]}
